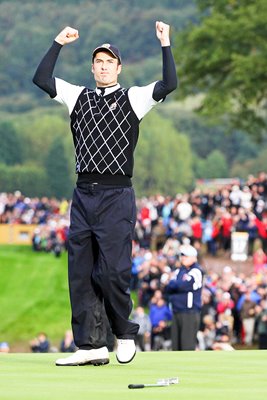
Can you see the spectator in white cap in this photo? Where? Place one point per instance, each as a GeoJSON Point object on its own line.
{"type": "Point", "coordinates": [184, 294]}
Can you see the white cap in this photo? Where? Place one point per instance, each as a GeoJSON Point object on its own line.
{"type": "Point", "coordinates": [188, 251]}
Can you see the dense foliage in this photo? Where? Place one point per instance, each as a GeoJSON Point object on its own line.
{"type": "Point", "coordinates": [28, 33]}
{"type": "Point", "coordinates": [176, 146]}
{"type": "Point", "coordinates": [224, 58]}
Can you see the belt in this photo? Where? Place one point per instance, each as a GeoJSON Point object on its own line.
{"type": "Point", "coordinates": [95, 186]}
{"type": "Point", "coordinates": [104, 179]}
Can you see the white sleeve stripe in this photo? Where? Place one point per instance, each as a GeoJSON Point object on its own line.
{"type": "Point", "coordinates": [141, 99]}
{"type": "Point", "coordinates": [196, 274]}
{"type": "Point", "coordinates": [189, 299]}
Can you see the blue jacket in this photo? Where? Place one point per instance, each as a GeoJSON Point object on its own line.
{"type": "Point", "coordinates": [184, 292]}
{"type": "Point", "coordinates": [158, 314]}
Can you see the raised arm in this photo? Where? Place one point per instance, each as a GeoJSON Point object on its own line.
{"type": "Point", "coordinates": [169, 76]}
{"type": "Point", "coordinates": [44, 74]}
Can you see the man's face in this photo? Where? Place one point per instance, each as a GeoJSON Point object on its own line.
{"type": "Point", "coordinates": [105, 69]}
{"type": "Point", "coordinates": [187, 261]}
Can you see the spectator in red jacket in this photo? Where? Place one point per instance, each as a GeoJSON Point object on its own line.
{"type": "Point", "coordinates": [196, 227]}
{"type": "Point", "coordinates": [227, 223]}
{"type": "Point", "coordinates": [226, 303]}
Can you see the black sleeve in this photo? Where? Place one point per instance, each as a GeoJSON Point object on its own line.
{"type": "Point", "coordinates": [169, 81]}
{"type": "Point", "coordinates": [44, 74]}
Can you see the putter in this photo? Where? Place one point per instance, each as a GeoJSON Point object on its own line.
{"type": "Point", "coordinates": [160, 383]}
{"type": "Point", "coordinates": [144, 385]}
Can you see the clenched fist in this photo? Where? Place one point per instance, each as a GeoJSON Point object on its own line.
{"type": "Point", "coordinates": [68, 35]}
{"type": "Point", "coordinates": [163, 33]}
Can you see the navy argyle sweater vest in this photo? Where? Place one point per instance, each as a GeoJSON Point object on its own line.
{"type": "Point", "coordinates": [105, 132]}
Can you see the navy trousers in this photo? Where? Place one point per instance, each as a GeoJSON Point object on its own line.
{"type": "Point", "coordinates": [100, 246]}
{"type": "Point", "coordinates": [184, 330]}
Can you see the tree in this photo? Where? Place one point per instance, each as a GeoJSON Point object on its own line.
{"type": "Point", "coordinates": [40, 132]}
{"type": "Point", "coordinates": [29, 179]}
{"type": "Point", "coordinates": [224, 58]}
{"type": "Point", "coordinates": [163, 160]}
{"type": "Point", "coordinates": [59, 181]}
{"type": "Point", "coordinates": [26, 35]}
{"type": "Point", "coordinates": [250, 166]}
{"type": "Point", "coordinates": [205, 137]}
{"type": "Point", "coordinates": [11, 148]}
{"type": "Point", "coordinates": [214, 166]}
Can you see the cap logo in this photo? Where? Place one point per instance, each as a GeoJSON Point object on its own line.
{"type": "Point", "coordinates": [106, 45]}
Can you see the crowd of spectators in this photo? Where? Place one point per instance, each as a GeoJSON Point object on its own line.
{"type": "Point", "coordinates": [206, 216]}
{"type": "Point", "coordinates": [42, 344]}
{"type": "Point", "coordinates": [234, 304]}
{"type": "Point", "coordinates": [50, 216]}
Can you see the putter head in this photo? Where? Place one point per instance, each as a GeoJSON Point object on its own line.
{"type": "Point", "coordinates": [168, 381]}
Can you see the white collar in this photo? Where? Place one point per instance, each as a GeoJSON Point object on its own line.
{"type": "Point", "coordinates": [108, 90]}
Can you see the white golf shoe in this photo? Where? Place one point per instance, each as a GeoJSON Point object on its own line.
{"type": "Point", "coordinates": [84, 357]}
{"type": "Point", "coordinates": [125, 350]}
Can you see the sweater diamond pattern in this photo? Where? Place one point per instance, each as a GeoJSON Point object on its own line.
{"type": "Point", "coordinates": [100, 128]}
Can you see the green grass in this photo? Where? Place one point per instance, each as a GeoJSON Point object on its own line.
{"type": "Point", "coordinates": [33, 294]}
{"type": "Point", "coordinates": [239, 375]}
{"type": "Point", "coordinates": [34, 297]}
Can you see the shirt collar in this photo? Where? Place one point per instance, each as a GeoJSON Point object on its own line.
{"type": "Point", "coordinates": [108, 90]}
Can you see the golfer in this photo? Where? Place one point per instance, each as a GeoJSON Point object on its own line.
{"type": "Point", "coordinates": [104, 124]}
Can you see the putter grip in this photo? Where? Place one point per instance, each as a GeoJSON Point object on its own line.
{"type": "Point", "coordinates": [132, 386]}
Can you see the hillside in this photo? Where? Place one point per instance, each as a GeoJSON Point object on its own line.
{"type": "Point", "coordinates": [33, 129]}
{"type": "Point", "coordinates": [28, 33]}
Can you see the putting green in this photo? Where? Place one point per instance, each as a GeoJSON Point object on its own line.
{"type": "Point", "coordinates": [210, 375]}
